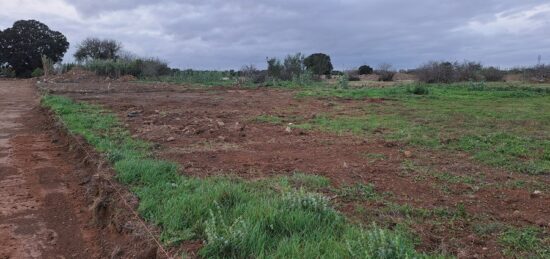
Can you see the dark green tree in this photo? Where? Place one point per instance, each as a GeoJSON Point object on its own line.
{"type": "Point", "coordinates": [94, 48]}
{"type": "Point", "coordinates": [23, 45]}
{"type": "Point", "coordinates": [365, 70]}
{"type": "Point", "coordinates": [319, 64]}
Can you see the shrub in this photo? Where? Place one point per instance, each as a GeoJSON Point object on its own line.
{"type": "Point", "coordinates": [447, 72]}
{"type": "Point", "coordinates": [418, 89]}
{"type": "Point", "coordinates": [143, 68]}
{"type": "Point", "coordinates": [293, 66]}
{"type": "Point", "coordinates": [385, 72]}
{"type": "Point", "coordinates": [251, 74]}
{"type": "Point", "coordinates": [492, 74]}
{"type": "Point", "coordinates": [38, 72]}
{"type": "Point", "coordinates": [343, 81]}
{"type": "Point", "coordinates": [290, 69]}
{"type": "Point", "coordinates": [436, 72]}
{"type": "Point", "coordinates": [7, 72]}
{"type": "Point", "coordinates": [365, 70]}
{"type": "Point", "coordinates": [274, 68]}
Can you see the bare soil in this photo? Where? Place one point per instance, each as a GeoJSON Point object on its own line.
{"type": "Point", "coordinates": [213, 131]}
{"type": "Point", "coordinates": [54, 200]}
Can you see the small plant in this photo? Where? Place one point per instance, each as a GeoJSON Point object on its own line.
{"type": "Point", "coordinates": [418, 89]}
{"type": "Point", "coordinates": [476, 86]}
{"type": "Point", "coordinates": [224, 237]}
{"type": "Point", "coordinates": [308, 201]}
{"type": "Point", "coordinates": [379, 243]}
{"type": "Point", "coordinates": [343, 81]}
{"type": "Point", "coordinates": [358, 192]}
{"type": "Point", "coordinates": [37, 72]}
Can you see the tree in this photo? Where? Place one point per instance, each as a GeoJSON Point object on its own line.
{"type": "Point", "coordinates": [319, 64]}
{"type": "Point", "coordinates": [23, 45]}
{"type": "Point", "coordinates": [94, 48]}
{"type": "Point", "coordinates": [365, 70]}
{"type": "Point", "coordinates": [274, 68]}
{"type": "Point", "coordinates": [293, 66]}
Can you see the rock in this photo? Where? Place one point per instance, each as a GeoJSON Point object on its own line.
{"type": "Point", "coordinates": [133, 114]}
{"type": "Point", "coordinates": [221, 123]}
{"type": "Point", "coordinates": [170, 139]}
{"type": "Point", "coordinates": [238, 127]}
{"type": "Point", "coordinates": [289, 127]}
{"type": "Point", "coordinates": [408, 154]}
{"type": "Point", "coordinates": [536, 194]}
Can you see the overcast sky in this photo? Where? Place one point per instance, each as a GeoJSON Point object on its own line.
{"type": "Point", "coordinates": [223, 34]}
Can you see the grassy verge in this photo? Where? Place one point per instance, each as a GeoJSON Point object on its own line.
{"type": "Point", "coordinates": [271, 218]}
{"type": "Point", "coordinates": [500, 125]}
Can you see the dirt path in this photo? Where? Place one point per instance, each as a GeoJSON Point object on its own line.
{"type": "Point", "coordinates": [39, 209]}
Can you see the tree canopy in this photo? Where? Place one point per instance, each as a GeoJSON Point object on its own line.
{"type": "Point", "coordinates": [23, 45]}
{"type": "Point", "coordinates": [365, 70]}
{"type": "Point", "coordinates": [94, 48]}
{"type": "Point", "coordinates": [319, 64]}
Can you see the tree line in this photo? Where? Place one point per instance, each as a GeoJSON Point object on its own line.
{"type": "Point", "coordinates": [29, 46]}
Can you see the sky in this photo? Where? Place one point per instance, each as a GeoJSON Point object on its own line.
{"type": "Point", "coordinates": [225, 34]}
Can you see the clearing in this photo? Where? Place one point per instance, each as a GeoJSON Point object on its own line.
{"type": "Point", "coordinates": [464, 168]}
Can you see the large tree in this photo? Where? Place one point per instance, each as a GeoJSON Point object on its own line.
{"type": "Point", "coordinates": [23, 45]}
{"type": "Point", "coordinates": [319, 64]}
{"type": "Point", "coordinates": [94, 48]}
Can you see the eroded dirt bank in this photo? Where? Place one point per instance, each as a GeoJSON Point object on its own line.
{"type": "Point", "coordinates": [53, 201]}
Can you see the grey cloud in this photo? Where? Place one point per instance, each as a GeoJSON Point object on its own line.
{"type": "Point", "coordinates": [216, 34]}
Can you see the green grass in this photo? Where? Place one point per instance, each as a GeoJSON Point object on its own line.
{"type": "Point", "coordinates": [269, 119]}
{"type": "Point", "coordinates": [525, 243]}
{"type": "Point", "coordinates": [269, 218]}
{"type": "Point", "coordinates": [500, 125]}
{"type": "Point", "coordinates": [198, 77]}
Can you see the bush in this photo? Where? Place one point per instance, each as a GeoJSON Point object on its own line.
{"type": "Point", "coordinates": [418, 89]}
{"type": "Point", "coordinates": [385, 72]}
{"type": "Point", "coordinates": [252, 75]}
{"type": "Point", "coordinates": [365, 70]}
{"type": "Point", "coordinates": [447, 72]}
{"type": "Point", "coordinates": [142, 68]}
{"type": "Point", "coordinates": [492, 74]}
{"type": "Point", "coordinates": [37, 72]}
{"type": "Point", "coordinates": [7, 72]}
{"type": "Point", "coordinates": [436, 72]}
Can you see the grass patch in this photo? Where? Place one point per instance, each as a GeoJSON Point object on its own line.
{"type": "Point", "coordinates": [271, 218]}
{"type": "Point", "coordinates": [269, 119]}
{"type": "Point", "coordinates": [501, 125]}
{"type": "Point", "coordinates": [525, 243]}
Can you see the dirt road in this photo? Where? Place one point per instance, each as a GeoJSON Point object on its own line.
{"type": "Point", "coordinates": [39, 210]}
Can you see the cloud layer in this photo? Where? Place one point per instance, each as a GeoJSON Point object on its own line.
{"type": "Point", "coordinates": [216, 34]}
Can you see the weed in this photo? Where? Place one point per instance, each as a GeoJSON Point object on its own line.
{"type": "Point", "coordinates": [418, 89]}
{"type": "Point", "coordinates": [357, 191]}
